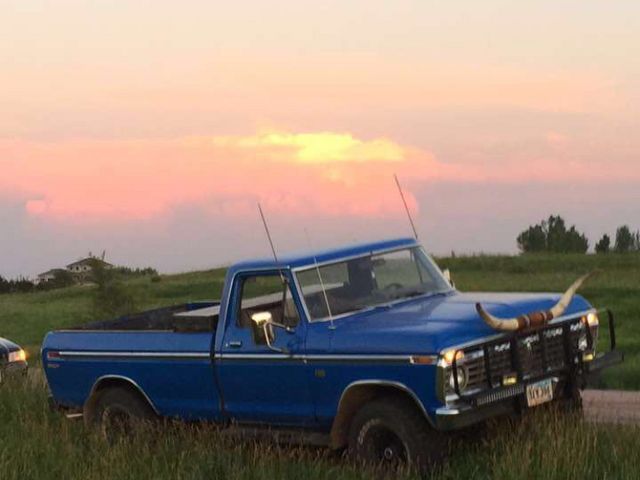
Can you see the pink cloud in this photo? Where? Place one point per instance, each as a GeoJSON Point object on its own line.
{"type": "Point", "coordinates": [142, 179]}
{"type": "Point", "coordinates": [296, 173]}
{"type": "Point", "coordinates": [36, 207]}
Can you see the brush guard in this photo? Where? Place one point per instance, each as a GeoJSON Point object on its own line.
{"type": "Point", "coordinates": [574, 369]}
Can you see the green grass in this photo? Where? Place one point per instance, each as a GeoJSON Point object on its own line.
{"type": "Point", "coordinates": [40, 444]}
{"type": "Point", "coordinates": [25, 318]}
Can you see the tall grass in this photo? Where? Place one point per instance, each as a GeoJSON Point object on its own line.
{"type": "Point", "coordinates": [38, 444]}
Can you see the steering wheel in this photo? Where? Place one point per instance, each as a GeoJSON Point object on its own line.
{"type": "Point", "coordinates": [394, 286]}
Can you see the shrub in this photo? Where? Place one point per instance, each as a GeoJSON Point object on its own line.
{"type": "Point", "coordinates": [111, 296]}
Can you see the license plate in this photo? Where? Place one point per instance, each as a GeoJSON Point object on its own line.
{"type": "Point", "coordinates": [540, 392]}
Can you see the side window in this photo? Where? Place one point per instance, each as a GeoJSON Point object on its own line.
{"type": "Point", "coordinates": [265, 293]}
{"type": "Point", "coordinates": [334, 279]}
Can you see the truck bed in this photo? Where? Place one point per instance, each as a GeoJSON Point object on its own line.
{"type": "Point", "coordinates": [188, 317]}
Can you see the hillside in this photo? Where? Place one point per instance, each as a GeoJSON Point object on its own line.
{"type": "Point", "coordinates": [26, 318]}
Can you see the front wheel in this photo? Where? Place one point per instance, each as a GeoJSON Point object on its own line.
{"type": "Point", "coordinates": [392, 433]}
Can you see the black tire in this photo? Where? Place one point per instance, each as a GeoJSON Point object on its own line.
{"type": "Point", "coordinates": [118, 412]}
{"type": "Point", "coordinates": [392, 433]}
{"type": "Point", "coordinates": [572, 403]}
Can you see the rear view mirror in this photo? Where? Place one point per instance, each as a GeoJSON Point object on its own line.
{"type": "Point", "coordinates": [264, 321]}
{"type": "Point", "coordinates": [262, 318]}
{"type": "Point", "coordinates": [447, 276]}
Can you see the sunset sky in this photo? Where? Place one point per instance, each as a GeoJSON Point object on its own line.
{"type": "Point", "coordinates": [152, 129]}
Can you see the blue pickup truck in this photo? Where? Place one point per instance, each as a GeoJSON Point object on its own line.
{"type": "Point", "coordinates": [368, 348]}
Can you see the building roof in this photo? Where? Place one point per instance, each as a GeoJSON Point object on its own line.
{"type": "Point", "coordinates": [53, 271]}
{"type": "Point", "coordinates": [310, 258]}
{"type": "Point", "coordinates": [89, 260]}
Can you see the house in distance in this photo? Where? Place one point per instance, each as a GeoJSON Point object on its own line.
{"type": "Point", "coordinates": [80, 271]}
{"type": "Point", "coordinates": [50, 275]}
{"type": "Point", "coordinates": [83, 269]}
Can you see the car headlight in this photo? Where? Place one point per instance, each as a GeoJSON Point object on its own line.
{"type": "Point", "coordinates": [591, 320]}
{"type": "Point", "coordinates": [17, 356]}
{"type": "Point", "coordinates": [462, 379]}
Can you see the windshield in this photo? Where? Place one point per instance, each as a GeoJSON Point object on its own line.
{"type": "Point", "coordinates": [366, 282]}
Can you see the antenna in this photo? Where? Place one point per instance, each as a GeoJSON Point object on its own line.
{"type": "Point", "coordinates": [324, 290]}
{"type": "Point", "coordinates": [273, 249]}
{"type": "Point", "coordinates": [406, 207]}
{"type": "Point", "coordinates": [266, 228]}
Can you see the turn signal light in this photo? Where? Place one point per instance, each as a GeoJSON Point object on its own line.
{"type": "Point", "coordinates": [587, 357]}
{"type": "Point", "coordinates": [422, 360]}
{"type": "Point", "coordinates": [509, 379]}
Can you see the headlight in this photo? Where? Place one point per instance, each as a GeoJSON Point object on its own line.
{"type": "Point", "coordinates": [591, 319]}
{"type": "Point", "coordinates": [17, 356]}
{"type": "Point", "coordinates": [449, 354]}
{"type": "Point", "coordinates": [462, 379]}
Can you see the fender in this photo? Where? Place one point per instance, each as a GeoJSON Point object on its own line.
{"type": "Point", "coordinates": [347, 408]}
{"type": "Point", "coordinates": [121, 379]}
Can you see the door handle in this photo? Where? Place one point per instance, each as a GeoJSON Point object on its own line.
{"type": "Point", "coordinates": [235, 344]}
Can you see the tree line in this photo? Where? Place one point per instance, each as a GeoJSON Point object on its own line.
{"type": "Point", "coordinates": [552, 235]}
{"type": "Point", "coordinates": [64, 278]}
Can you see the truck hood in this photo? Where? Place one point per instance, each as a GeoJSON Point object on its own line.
{"type": "Point", "coordinates": [429, 325]}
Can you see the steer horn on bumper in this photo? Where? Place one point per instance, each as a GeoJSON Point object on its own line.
{"type": "Point", "coordinates": [534, 319]}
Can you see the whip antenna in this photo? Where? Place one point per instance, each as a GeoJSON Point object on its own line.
{"type": "Point", "coordinates": [273, 249]}
{"type": "Point", "coordinates": [406, 207]}
{"type": "Point", "coordinates": [266, 229]}
{"type": "Point", "coordinates": [324, 290]}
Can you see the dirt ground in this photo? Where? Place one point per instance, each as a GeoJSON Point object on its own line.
{"type": "Point", "coordinates": [611, 406]}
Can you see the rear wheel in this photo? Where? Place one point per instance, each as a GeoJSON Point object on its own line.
{"type": "Point", "coordinates": [392, 433]}
{"type": "Point", "coordinates": [118, 412]}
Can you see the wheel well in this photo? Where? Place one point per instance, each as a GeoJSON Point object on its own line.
{"type": "Point", "coordinates": [112, 382]}
{"type": "Point", "coordinates": [356, 396]}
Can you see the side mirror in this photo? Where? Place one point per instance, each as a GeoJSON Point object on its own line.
{"type": "Point", "coordinates": [261, 318]}
{"type": "Point", "coordinates": [264, 320]}
{"type": "Point", "coordinates": [447, 276]}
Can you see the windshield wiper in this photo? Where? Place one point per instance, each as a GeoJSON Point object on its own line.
{"type": "Point", "coordinates": [415, 293]}
{"type": "Point", "coordinates": [419, 293]}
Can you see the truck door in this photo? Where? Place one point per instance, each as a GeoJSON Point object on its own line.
{"type": "Point", "coordinates": [262, 383]}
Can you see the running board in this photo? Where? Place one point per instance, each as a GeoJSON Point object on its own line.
{"type": "Point", "coordinates": [279, 436]}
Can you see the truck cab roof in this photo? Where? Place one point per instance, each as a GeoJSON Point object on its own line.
{"type": "Point", "coordinates": [305, 259]}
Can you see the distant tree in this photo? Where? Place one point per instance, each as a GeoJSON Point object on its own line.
{"type": "Point", "coordinates": [134, 272]}
{"type": "Point", "coordinates": [4, 285]}
{"type": "Point", "coordinates": [534, 239]}
{"type": "Point", "coordinates": [625, 240]}
{"type": "Point", "coordinates": [111, 296]}
{"type": "Point", "coordinates": [552, 236]}
{"type": "Point", "coordinates": [61, 278]}
{"type": "Point", "coordinates": [604, 245]}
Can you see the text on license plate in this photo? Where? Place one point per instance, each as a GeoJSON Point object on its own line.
{"type": "Point", "coordinates": [540, 392]}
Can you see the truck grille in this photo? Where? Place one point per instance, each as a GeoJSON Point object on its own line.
{"type": "Point", "coordinates": [538, 353]}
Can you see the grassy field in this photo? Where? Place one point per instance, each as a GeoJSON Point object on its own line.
{"type": "Point", "coordinates": [39, 444]}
